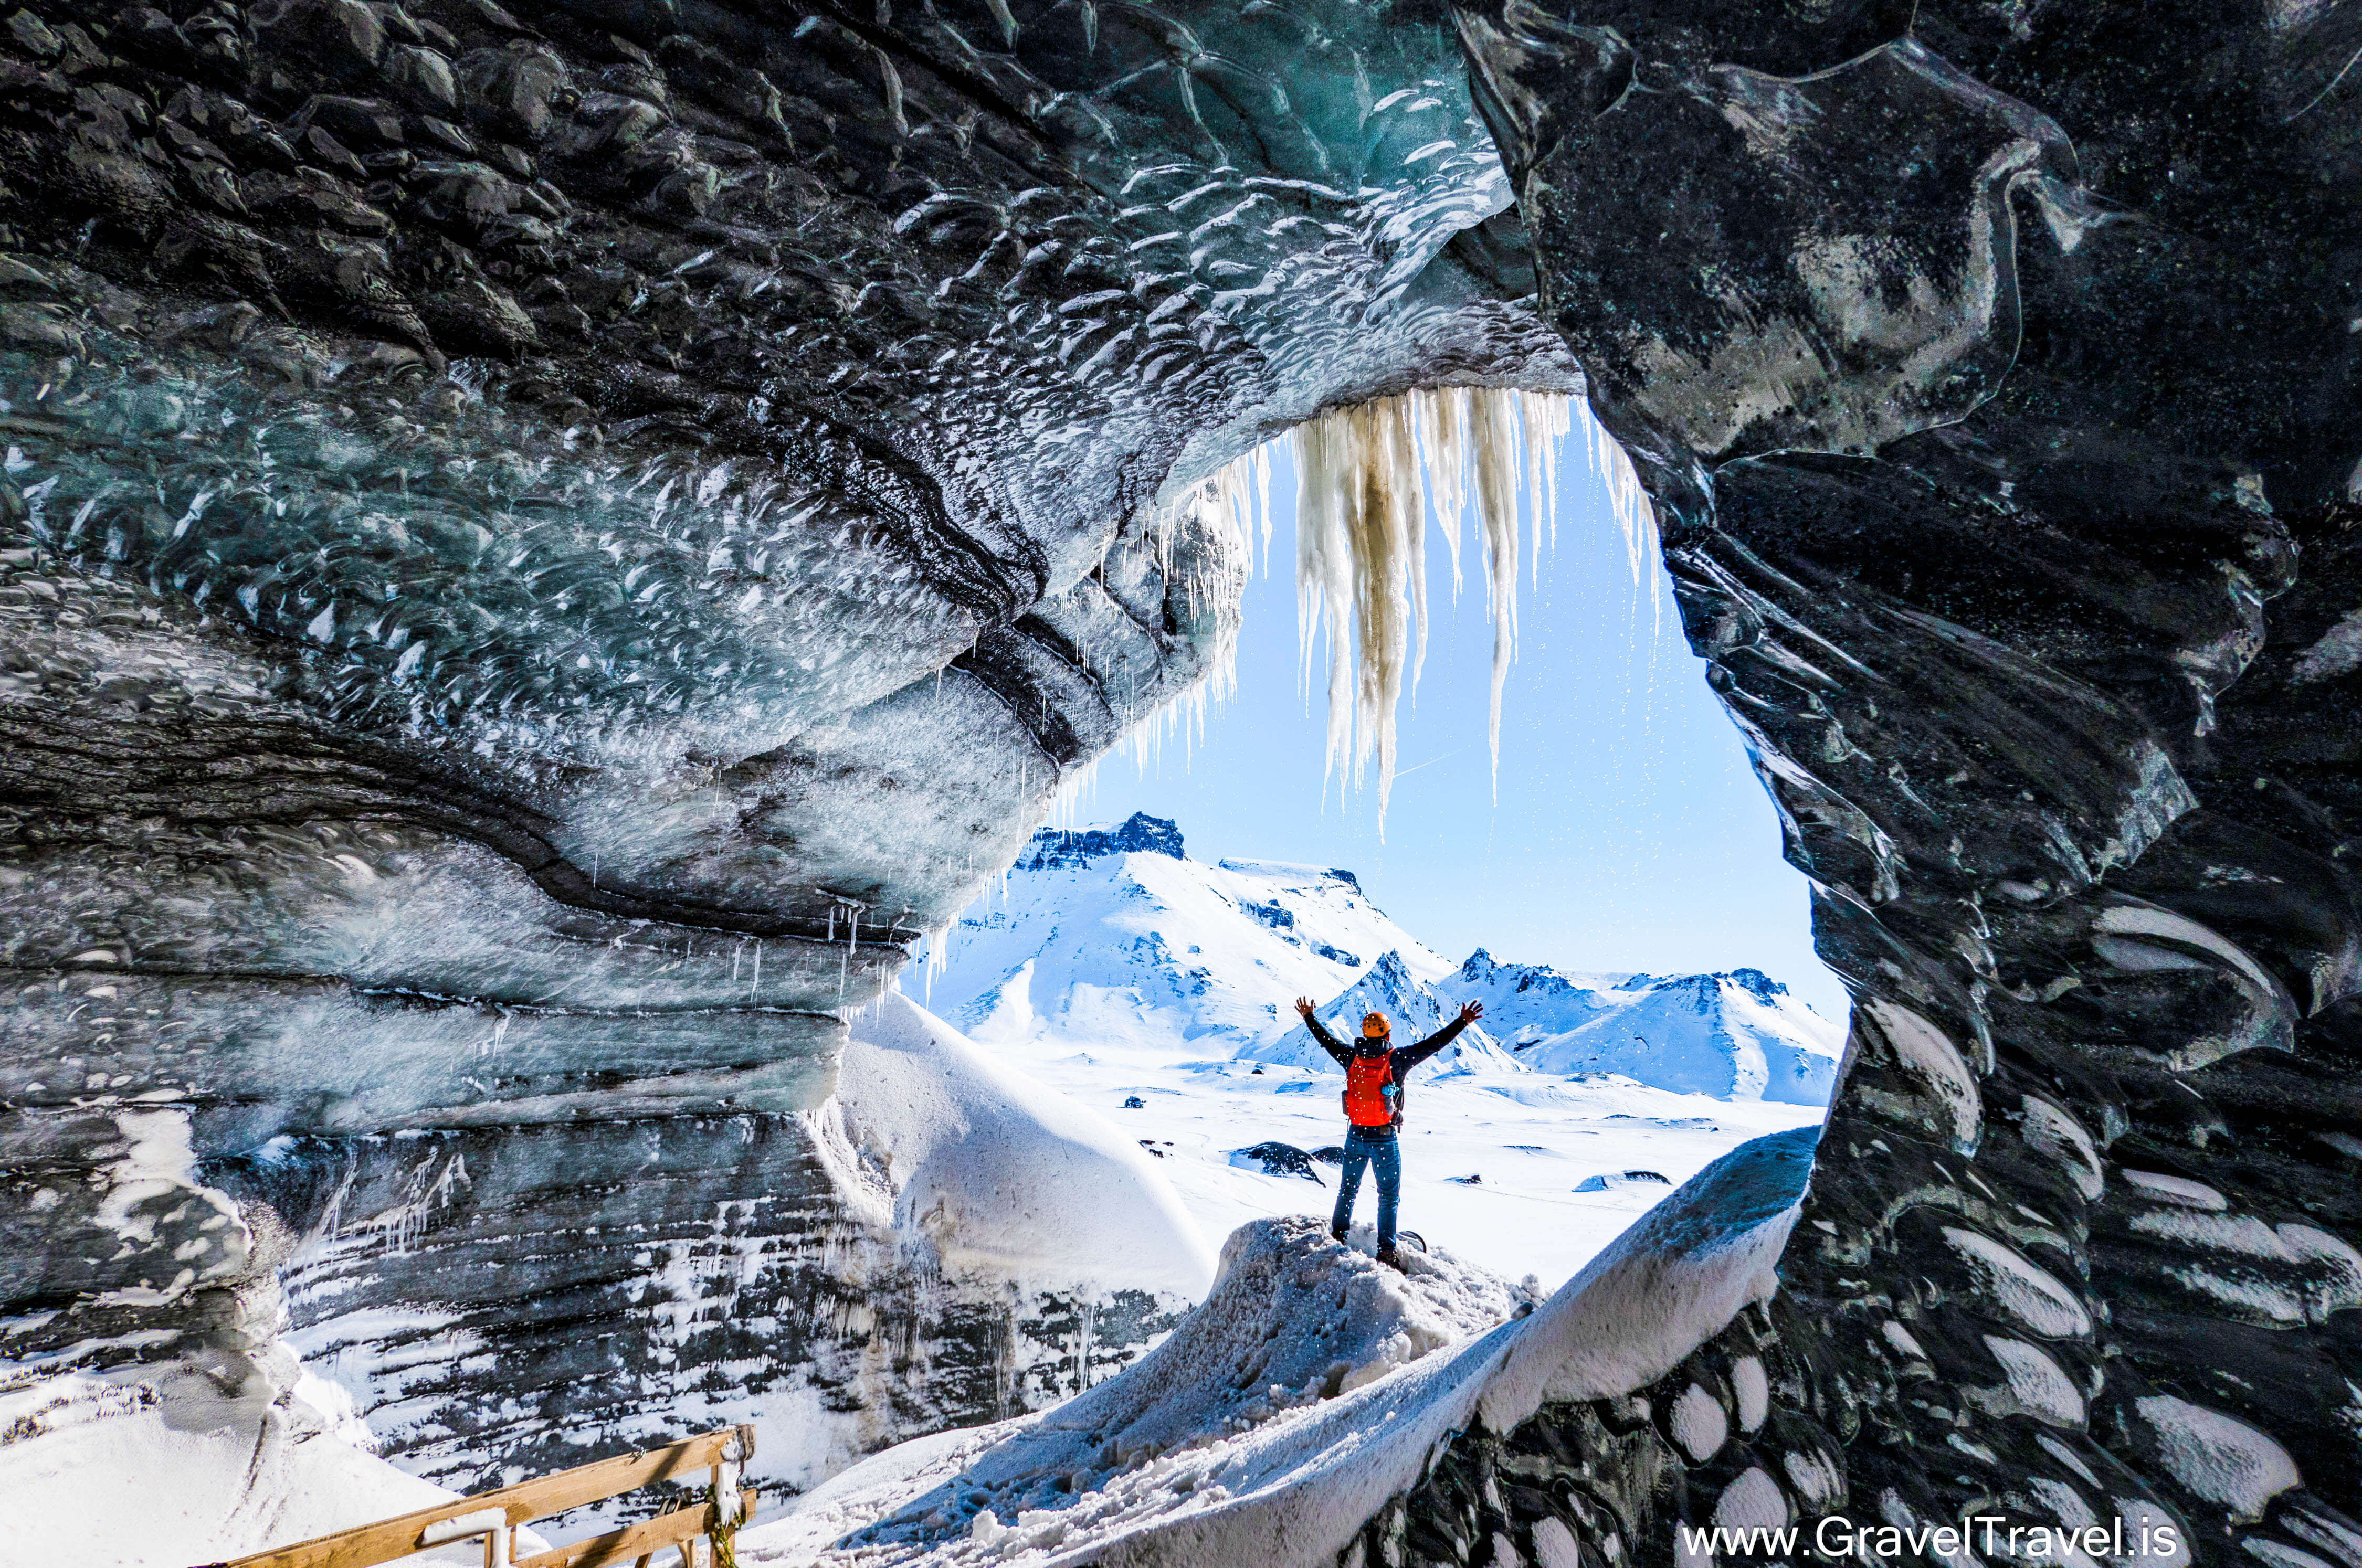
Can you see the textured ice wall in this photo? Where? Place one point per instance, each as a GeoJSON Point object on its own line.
{"type": "Point", "coordinates": [539, 550]}
{"type": "Point", "coordinates": [1959, 353]}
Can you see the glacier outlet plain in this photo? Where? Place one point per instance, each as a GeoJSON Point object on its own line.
{"type": "Point", "coordinates": [541, 548]}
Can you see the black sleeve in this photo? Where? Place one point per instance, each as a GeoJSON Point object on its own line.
{"type": "Point", "coordinates": [1411, 1057]}
{"type": "Point", "coordinates": [1327, 1041]}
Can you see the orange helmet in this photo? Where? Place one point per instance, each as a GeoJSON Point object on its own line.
{"type": "Point", "coordinates": [1375, 1026]}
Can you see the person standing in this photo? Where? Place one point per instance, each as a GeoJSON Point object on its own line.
{"type": "Point", "coordinates": [1375, 1070]}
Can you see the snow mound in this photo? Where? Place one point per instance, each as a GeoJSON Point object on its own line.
{"type": "Point", "coordinates": [1415, 1007]}
{"type": "Point", "coordinates": [1295, 1320]}
{"type": "Point", "coordinates": [1239, 1440]}
{"type": "Point", "coordinates": [127, 1471]}
{"type": "Point", "coordinates": [999, 1176]}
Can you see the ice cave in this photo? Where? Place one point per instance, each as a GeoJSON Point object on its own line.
{"type": "Point", "coordinates": [546, 547]}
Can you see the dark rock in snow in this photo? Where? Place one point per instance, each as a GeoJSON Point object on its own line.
{"type": "Point", "coordinates": [1278, 1159]}
{"type": "Point", "coordinates": [1621, 1178]}
{"type": "Point", "coordinates": [1053, 847]}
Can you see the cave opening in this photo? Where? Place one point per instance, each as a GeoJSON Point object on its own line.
{"type": "Point", "coordinates": [1619, 855]}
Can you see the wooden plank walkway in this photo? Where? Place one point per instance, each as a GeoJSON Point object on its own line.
{"type": "Point", "coordinates": [495, 1516]}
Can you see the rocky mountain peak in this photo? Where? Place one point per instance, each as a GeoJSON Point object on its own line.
{"type": "Point", "coordinates": [1056, 848]}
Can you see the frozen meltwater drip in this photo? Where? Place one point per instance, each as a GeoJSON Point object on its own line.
{"type": "Point", "coordinates": [1365, 477]}
{"type": "Point", "coordinates": [1630, 503]}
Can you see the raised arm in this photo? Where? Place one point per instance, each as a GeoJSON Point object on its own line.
{"type": "Point", "coordinates": [1411, 1057]}
{"type": "Point", "coordinates": [1328, 1042]}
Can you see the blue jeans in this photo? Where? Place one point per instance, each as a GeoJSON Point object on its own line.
{"type": "Point", "coordinates": [1382, 1151]}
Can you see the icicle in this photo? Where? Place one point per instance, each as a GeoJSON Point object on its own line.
{"type": "Point", "coordinates": [939, 957]}
{"type": "Point", "coordinates": [1365, 477]}
{"type": "Point", "coordinates": [1543, 420]}
{"type": "Point", "coordinates": [853, 908]}
{"type": "Point", "coordinates": [1443, 451]}
{"type": "Point", "coordinates": [1490, 450]}
{"type": "Point", "coordinates": [1634, 513]}
{"type": "Point", "coordinates": [1263, 499]}
{"type": "Point", "coordinates": [755, 989]}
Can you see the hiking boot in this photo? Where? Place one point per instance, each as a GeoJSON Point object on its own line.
{"type": "Point", "coordinates": [1336, 1234]}
{"type": "Point", "coordinates": [1392, 1259]}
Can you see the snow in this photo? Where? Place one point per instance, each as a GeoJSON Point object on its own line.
{"type": "Point", "coordinates": [1000, 1178]}
{"type": "Point", "coordinates": [1414, 1008]}
{"type": "Point", "coordinates": [1246, 1436]}
{"type": "Point", "coordinates": [1738, 1035]}
{"type": "Point", "coordinates": [1699, 1424]}
{"type": "Point", "coordinates": [1754, 1501]}
{"type": "Point", "coordinates": [1145, 947]}
{"type": "Point", "coordinates": [2219, 1457]}
{"type": "Point", "coordinates": [115, 1470]}
{"type": "Point", "coordinates": [2039, 1385]}
{"type": "Point", "coordinates": [1531, 1143]}
{"type": "Point", "coordinates": [1295, 1320]}
{"type": "Point", "coordinates": [1753, 1386]}
{"type": "Point", "coordinates": [2025, 1291]}
{"type": "Point", "coordinates": [1927, 1053]}
{"type": "Point", "coordinates": [1664, 1287]}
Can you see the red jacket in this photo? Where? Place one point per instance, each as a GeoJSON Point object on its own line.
{"type": "Point", "coordinates": [1402, 1059]}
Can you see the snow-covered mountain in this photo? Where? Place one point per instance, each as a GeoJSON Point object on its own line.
{"type": "Point", "coordinates": [1113, 937]}
{"type": "Point", "coordinates": [1735, 1036]}
{"type": "Point", "coordinates": [1417, 1009]}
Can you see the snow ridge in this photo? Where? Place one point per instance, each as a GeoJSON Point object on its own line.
{"type": "Point", "coordinates": [1415, 1009]}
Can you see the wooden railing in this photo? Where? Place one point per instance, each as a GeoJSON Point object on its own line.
{"type": "Point", "coordinates": [495, 1516]}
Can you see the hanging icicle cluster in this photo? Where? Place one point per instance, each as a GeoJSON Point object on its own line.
{"type": "Point", "coordinates": [1366, 476]}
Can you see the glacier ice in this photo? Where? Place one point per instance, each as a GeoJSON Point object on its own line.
{"type": "Point", "coordinates": [1368, 476]}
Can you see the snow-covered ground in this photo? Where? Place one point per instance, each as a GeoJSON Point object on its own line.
{"type": "Point", "coordinates": [1111, 968]}
{"type": "Point", "coordinates": [1310, 1386]}
{"type": "Point", "coordinates": [105, 1469]}
{"type": "Point", "coordinates": [1529, 1138]}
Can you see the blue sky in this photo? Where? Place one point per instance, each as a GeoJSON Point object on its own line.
{"type": "Point", "coordinates": [1630, 834]}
